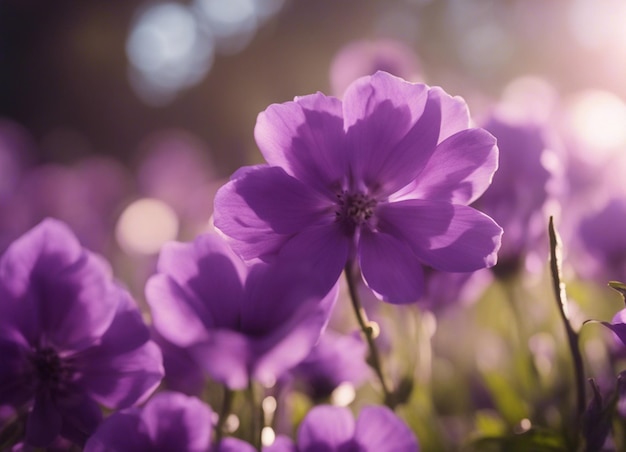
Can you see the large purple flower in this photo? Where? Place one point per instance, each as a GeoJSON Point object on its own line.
{"type": "Point", "coordinates": [237, 321]}
{"type": "Point", "coordinates": [329, 428]}
{"type": "Point", "coordinates": [170, 421]}
{"type": "Point", "coordinates": [384, 176]}
{"type": "Point", "coordinates": [70, 337]}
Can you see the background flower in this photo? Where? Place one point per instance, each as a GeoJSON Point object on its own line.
{"type": "Point", "coordinates": [70, 337]}
{"type": "Point", "coordinates": [238, 321]}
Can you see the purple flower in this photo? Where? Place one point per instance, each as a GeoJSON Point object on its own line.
{"type": "Point", "coordinates": [384, 176]}
{"type": "Point", "coordinates": [602, 236]}
{"type": "Point", "coordinates": [334, 360]}
{"type": "Point", "coordinates": [238, 321]}
{"type": "Point", "coordinates": [170, 421]}
{"type": "Point", "coordinates": [328, 429]}
{"type": "Point", "coordinates": [519, 191]}
{"type": "Point", "coordinates": [70, 337]}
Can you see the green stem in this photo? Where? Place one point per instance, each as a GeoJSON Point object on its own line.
{"type": "Point", "coordinates": [374, 356]}
{"type": "Point", "coordinates": [255, 419]}
{"type": "Point", "coordinates": [572, 336]}
{"type": "Point", "coordinates": [227, 403]}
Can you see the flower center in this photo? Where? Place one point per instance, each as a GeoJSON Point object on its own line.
{"type": "Point", "coordinates": [49, 366]}
{"type": "Point", "coordinates": [354, 209]}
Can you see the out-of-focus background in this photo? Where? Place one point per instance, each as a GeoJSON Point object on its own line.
{"type": "Point", "coordinates": [92, 76]}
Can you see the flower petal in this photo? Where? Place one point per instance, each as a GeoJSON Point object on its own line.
{"type": "Point", "coordinates": [282, 443]}
{"type": "Point", "coordinates": [445, 236]}
{"type": "Point", "coordinates": [118, 381]}
{"type": "Point", "coordinates": [454, 113]}
{"type": "Point", "coordinates": [292, 341]}
{"type": "Point", "coordinates": [57, 287]}
{"type": "Point", "coordinates": [44, 421]}
{"type": "Point", "coordinates": [325, 248]}
{"type": "Point", "coordinates": [459, 171]}
{"type": "Point", "coordinates": [175, 421]}
{"type": "Point", "coordinates": [379, 429]}
{"type": "Point", "coordinates": [120, 432]}
{"type": "Point", "coordinates": [306, 138]}
{"type": "Point", "coordinates": [81, 415]}
{"type": "Point", "coordinates": [226, 357]}
{"type": "Point", "coordinates": [263, 207]}
{"type": "Point", "coordinates": [326, 427]}
{"type": "Point", "coordinates": [209, 274]}
{"type": "Point", "coordinates": [174, 313]}
{"type": "Point", "coordinates": [390, 268]}
{"type": "Point", "coordinates": [392, 129]}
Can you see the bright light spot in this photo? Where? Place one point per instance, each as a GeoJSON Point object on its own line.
{"type": "Point", "coordinates": [267, 436]}
{"type": "Point", "coordinates": [232, 423]}
{"type": "Point", "coordinates": [528, 98]}
{"type": "Point", "coordinates": [232, 22]}
{"type": "Point", "coordinates": [598, 119]}
{"type": "Point", "coordinates": [167, 51]}
{"type": "Point", "coordinates": [343, 395]}
{"type": "Point", "coordinates": [145, 225]}
{"type": "Point", "coordinates": [597, 24]}
{"type": "Point", "coordinates": [269, 404]}
{"type": "Point", "coordinates": [525, 424]}
{"type": "Point", "coordinates": [265, 9]}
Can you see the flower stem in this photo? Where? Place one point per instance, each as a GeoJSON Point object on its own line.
{"type": "Point", "coordinates": [368, 331]}
{"type": "Point", "coordinates": [227, 403]}
{"type": "Point", "coordinates": [561, 298]}
{"type": "Point", "coordinates": [255, 419]}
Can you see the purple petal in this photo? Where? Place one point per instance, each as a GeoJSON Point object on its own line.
{"type": "Point", "coordinates": [208, 273]}
{"type": "Point", "coordinates": [226, 357]}
{"type": "Point", "coordinates": [118, 381]}
{"type": "Point", "coordinates": [293, 341]}
{"type": "Point", "coordinates": [445, 236]}
{"type": "Point", "coordinates": [263, 207]}
{"type": "Point", "coordinates": [390, 268]}
{"type": "Point", "coordinates": [379, 429]}
{"type": "Point", "coordinates": [44, 421]}
{"type": "Point", "coordinates": [326, 427]}
{"type": "Point", "coordinates": [306, 138]}
{"type": "Point", "coordinates": [459, 171]}
{"type": "Point", "coordinates": [121, 432]}
{"type": "Point", "coordinates": [81, 415]}
{"type": "Point", "coordinates": [392, 129]}
{"type": "Point", "coordinates": [325, 248]}
{"type": "Point", "coordinates": [454, 113]}
{"type": "Point", "coordinates": [17, 378]}
{"type": "Point", "coordinates": [175, 421]}
{"type": "Point", "coordinates": [174, 313]}
{"type": "Point", "coordinates": [182, 372]}
{"type": "Point", "coordinates": [57, 287]}
{"type": "Point", "coordinates": [282, 443]}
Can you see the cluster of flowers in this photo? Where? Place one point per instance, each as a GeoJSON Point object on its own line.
{"type": "Point", "coordinates": [382, 186]}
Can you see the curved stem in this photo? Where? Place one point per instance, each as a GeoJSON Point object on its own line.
{"type": "Point", "coordinates": [227, 403]}
{"type": "Point", "coordinates": [367, 330]}
{"type": "Point", "coordinates": [561, 298]}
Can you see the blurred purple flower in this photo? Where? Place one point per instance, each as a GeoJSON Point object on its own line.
{"type": "Point", "coordinates": [602, 236]}
{"type": "Point", "coordinates": [519, 191]}
{"type": "Point", "coordinates": [170, 421]}
{"type": "Point", "coordinates": [384, 177]}
{"type": "Point", "coordinates": [70, 337]}
{"type": "Point", "coordinates": [335, 359]}
{"type": "Point", "coordinates": [239, 321]}
{"type": "Point", "coordinates": [365, 57]}
{"type": "Point", "coordinates": [329, 428]}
